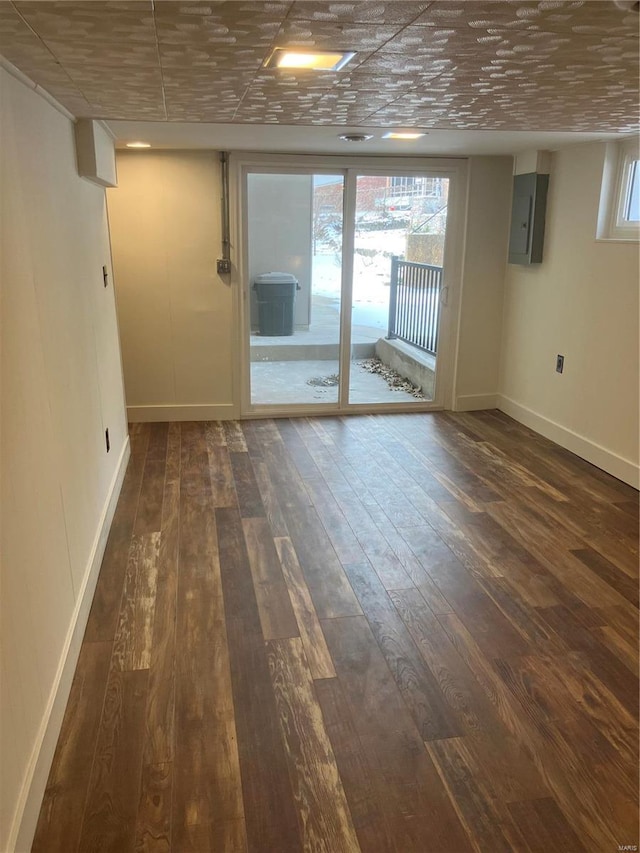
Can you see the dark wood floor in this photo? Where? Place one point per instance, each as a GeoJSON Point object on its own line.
{"type": "Point", "coordinates": [390, 633]}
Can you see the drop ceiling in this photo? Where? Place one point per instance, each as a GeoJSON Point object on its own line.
{"type": "Point", "coordinates": [551, 67]}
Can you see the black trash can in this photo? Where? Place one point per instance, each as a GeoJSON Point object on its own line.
{"type": "Point", "coordinates": [276, 293]}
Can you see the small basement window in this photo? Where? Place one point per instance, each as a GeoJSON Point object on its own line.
{"type": "Point", "coordinates": [619, 213]}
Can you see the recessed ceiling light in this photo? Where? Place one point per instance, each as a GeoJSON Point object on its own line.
{"type": "Point", "coordinates": [355, 137]}
{"type": "Point", "coordinates": [138, 145]}
{"type": "Point", "coordinates": [394, 135]}
{"type": "Point", "coordinates": [321, 60]}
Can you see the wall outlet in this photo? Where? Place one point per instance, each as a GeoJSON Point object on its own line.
{"type": "Point", "coordinates": [223, 266]}
{"type": "Point", "coordinates": [106, 440]}
{"type": "Point", "coordinates": [559, 363]}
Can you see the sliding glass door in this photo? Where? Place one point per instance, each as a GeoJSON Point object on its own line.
{"type": "Point", "coordinates": [398, 253]}
{"type": "Point", "coordinates": [294, 247]}
{"type": "Point", "coordinates": [345, 288]}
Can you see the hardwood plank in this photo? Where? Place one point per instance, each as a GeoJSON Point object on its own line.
{"type": "Point", "coordinates": [621, 582]}
{"type": "Point", "coordinates": [387, 633]}
{"type": "Point", "coordinates": [568, 775]}
{"type": "Point", "coordinates": [270, 500]}
{"type": "Point", "coordinates": [623, 650]}
{"type": "Point", "coordinates": [110, 814]}
{"type": "Point", "coordinates": [338, 529]}
{"type": "Point", "coordinates": [282, 471]}
{"type": "Point", "coordinates": [60, 820]}
{"type": "Point", "coordinates": [375, 546]}
{"type": "Point", "coordinates": [543, 827]}
{"type": "Point", "coordinates": [315, 646]}
{"type": "Point", "coordinates": [237, 581]}
{"type": "Point", "coordinates": [324, 816]}
{"type": "Point", "coordinates": [195, 479]}
{"type": "Point", "coordinates": [354, 768]}
{"type": "Point", "coordinates": [480, 809]}
{"type": "Point", "coordinates": [227, 836]}
{"type": "Point", "coordinates": [235, 437]}
{"type": "Point", "coordinates": [222, 480]}
{"type": "Point", "coordinates": [133, 640]}
{"type": "Point", "coordinates": [161, 696]}
{"type": "Point", "coordinates": [603, 663]}
{"type": "Point", "coordinates": [206, 767]}
{"type": "Point", "coordinates": [198, 556]}
{"type": "Point", "coordinates": [149, 515]}
{"type": "Point", "coordinates": [215, 434]}
{"type": "Point", "coordinates": [153, 826]}
{"type": "Point", "coordinates": [412, 799]}
{"type": "Point", "coordinates": [274, 605]}
{"type": "Point", "coordinates": [415, 682]}
{"type": "Point", "coordinates": [502, 758]}
{"type": "Point", "coordinates": [270, 813]}
{"type": "Point", "coordinates": [268, 800]}
{"type": "Point", "coordinates": [330, 590]}
{"type": "Point", "coordinates": [297, 450]}
{"type": "Point", "coordinates": [105, 608]}
{"type": "Point", "coordinates": [249, 499]}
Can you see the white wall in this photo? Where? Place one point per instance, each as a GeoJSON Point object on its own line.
{"type": "Point", "coordinates": [581, 302]}
{"type": "Point", "coordinates": [485, 255]}
{"type": "Point", "coordinates": [61, 388]}
{"type": "Point", "coordinates": [279, 225]}
{"type": "Point", "coordinates": [175, 311]}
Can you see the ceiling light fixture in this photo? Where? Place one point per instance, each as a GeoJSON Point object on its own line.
{"type": "Point", "coordinates": [138, 145]}
{"type": "Point", "coordinates": [393, 135]}
{"type": "Point", "coordinates": [321, 60]}
{"type": "Point", "coordinates": [355, 137]}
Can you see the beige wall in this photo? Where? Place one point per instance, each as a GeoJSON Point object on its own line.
{"type": "Point", "coordinates": [581, 302]}
{"type": "Point", "coordinates": [175, 311]}
{"type": "Point", "coordinates": [485, 255]}
{"type": "Point", "coordinates": [61, 388]}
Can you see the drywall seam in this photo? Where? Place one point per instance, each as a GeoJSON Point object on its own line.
{"type": "Point", "coordinates": [35, 779]}
{"type": "Point", "coordinates": [618, 466]}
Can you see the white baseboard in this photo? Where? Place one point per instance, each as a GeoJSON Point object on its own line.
{"type": "Point", "coordinates": [475, 402]}
{"type": "Point", "coordinates": [601, 457]}
{"type": "Point", "coordinates": [204, 412]}
{"type": "Point", "coordinates": [28, 808]}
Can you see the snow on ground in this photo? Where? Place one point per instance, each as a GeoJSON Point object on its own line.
{"type": "Point", "coordinates": [371, 275]}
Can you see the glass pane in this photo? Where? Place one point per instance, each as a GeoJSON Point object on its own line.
{"type": "Point", "coordinates": [295, 228]}
{"type": "Point", "coordinates": [632, 210]}
{"type": "Point", "coordinates": [397, 276]}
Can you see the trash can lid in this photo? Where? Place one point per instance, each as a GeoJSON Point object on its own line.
{"type": "Point", "coordinates": [275, 278]}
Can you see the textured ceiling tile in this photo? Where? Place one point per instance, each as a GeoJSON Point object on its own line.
{"type": "Point", "coordinates": [311, 80]}
{"type": "Point", "coordinates": [364, 13]}
{"type": "Point", "coordinates": [12, 25]}
{"type": "Point", "coordinates": [205, 79]}
{"type": "Point", "coordinates": [514, 14]}
{"type": "Point", "coordinates": [219, 23]}
{"type": "Point", "coordinates": [92, 21]}
{"type": "Point", "coordinates": [361, 81]}
{"type": "Point", "coordinates": [458, 64]}
{"type": "Point", "coordinates": [96, 53]}
{"type": "Point", "coordinates": [405, 65]}
{"type": "Point", "coordinates": [440, 42]}
{"type": "Point", "coordinates": [334, 36]}
{"type": "Point", "coordinates": [115, 79]}
{"type": "Point", "coordinates": [196, 56]}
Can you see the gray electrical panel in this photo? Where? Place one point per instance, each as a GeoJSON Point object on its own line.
{"type": "Point", "coordinates": [527, 218]}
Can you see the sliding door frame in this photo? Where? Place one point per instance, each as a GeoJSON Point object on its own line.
{"type": "Point", "coordinates": [455, 170]}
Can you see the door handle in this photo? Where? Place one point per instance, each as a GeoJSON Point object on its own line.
{"type": "Point", "coordinates": [444, 296]}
